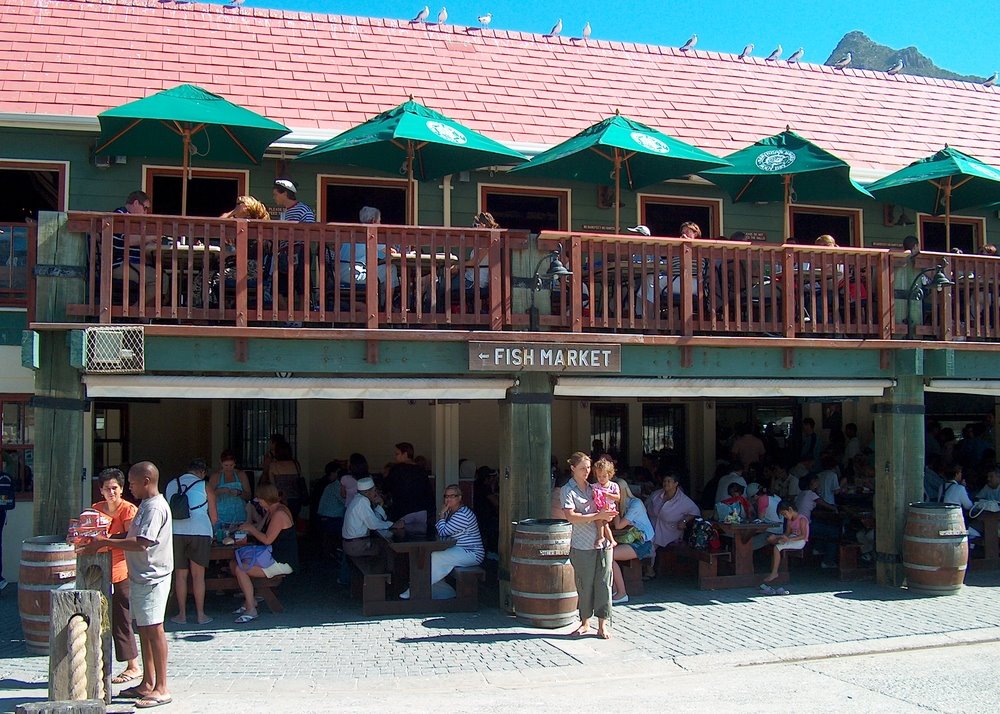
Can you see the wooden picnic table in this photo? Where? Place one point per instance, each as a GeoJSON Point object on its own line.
{"type": "Point", "coordinates": [743, 575]}
{"type": "Point", "coordinates": [991, 542]}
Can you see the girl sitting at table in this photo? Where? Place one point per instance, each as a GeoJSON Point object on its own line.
{"type": "Point", "coordinates": [795, 537]}
{"type": "Point", "coordinates": [276, 554]}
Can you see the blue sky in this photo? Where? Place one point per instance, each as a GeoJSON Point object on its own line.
{"type": "Point", "coordinates": [959, 35]}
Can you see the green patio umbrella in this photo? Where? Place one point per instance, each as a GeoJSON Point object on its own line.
{"type": "Point", "coordinates": [427, 145]}
{"type": "Point", "coordinates": [617, 148]}
{"type": "Point", "coordinates": [949, 180]}
{"type": "Point", "coordinates": [189, 121]}
{"type": "Point", "coordinates": [775, 168]}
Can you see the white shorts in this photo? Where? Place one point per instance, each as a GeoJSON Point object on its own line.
{"type": "Point", "coordinates": [148, 603]}
{"type": "Point", "coordinates": [791, 545]}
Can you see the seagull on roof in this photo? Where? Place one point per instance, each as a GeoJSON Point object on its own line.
{"type": "Point", "coordinates": [485, 20]}
{"type": "Point", "coordinates": [443, 16]}
{"type": "Point", "coordinates": [422, 15]}
{"type": "Point", "coordinates": [586, 31]}
{"type": "Point", "coordinates": [896, 68]}
{"type": "Point", "coordinates": [795, 56]}
{"type": "Point", "coordinates": [235, 3]}
{"type": "Point", "coordinates": [746, 51]}
{"type": "Point", "coordinates": [692, 41]}
{"type": "Point", "coordinates": [991, 80]}
{"type": "Point", "coordinates": [843, 61]}
{"type": "Point", "coordinates": [774, 56]}
{"type": "Point", "coordinates": [556, 28]}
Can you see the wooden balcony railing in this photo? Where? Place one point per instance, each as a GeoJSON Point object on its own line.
{"type": "Point", "coordinates": [239, 273]}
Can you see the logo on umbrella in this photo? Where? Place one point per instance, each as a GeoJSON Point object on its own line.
{"type": "Point", "coordinates": [448, 133]}
{"type": "Point", "coordinates": [650, 143]}
{"type": "Point", "coordinates": [775, 160]}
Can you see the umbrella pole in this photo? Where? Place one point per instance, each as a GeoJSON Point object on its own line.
{"type": "Point", "coordinates": [787, 180]}
{"type": "Point", "coordinates": [947, 213]}
{"type": "Point", "coordinates": [411, 198]}
{"type": "Point", "coordinates": [185, 168]}
{"type": "Point", "coordinates": [618, 191]}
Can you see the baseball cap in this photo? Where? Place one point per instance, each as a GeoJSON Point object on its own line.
{"type": "Point", "coordinates": [366, 484]}
{"type": "Point", "coordinates": [286, 185]}
{"type": "Point", "coordinates": [641, 230]}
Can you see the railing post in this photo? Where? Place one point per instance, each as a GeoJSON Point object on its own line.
{"type": "Point", "coordinates": [687, 290]}
{"type": "Point", "coordinates": [241, 271]}
{"type": "Point", "coordinates": [107, 248]}
{"type": "Point", "coordinates": [496, 291]}
{"type": "Point", "coordinates": [576, 285]}
{"type": "Point", "coordinates": [371, 281]}
{"type": "Point", "coordinates": [789, 292]}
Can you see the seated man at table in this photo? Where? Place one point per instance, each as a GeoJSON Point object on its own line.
{"type": "Point", "coordinates": [352, 260]}
{"type": "Point", "coordinates": [365, 514]}
{"type": "Point", "coordinates": [991, 491]}
{"type": "Point", "coordinates": [455, 520]}
{"type": "Point", "coordinates": [127, 254]}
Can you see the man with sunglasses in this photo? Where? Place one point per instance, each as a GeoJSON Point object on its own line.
{"type": "Point", "coordinates": [455, 520]}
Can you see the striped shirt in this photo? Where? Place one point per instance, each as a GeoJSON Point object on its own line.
{"type": "Point", "coordinates": [300, 213]}
{"type": "Point", "coordinates": [464, 528]}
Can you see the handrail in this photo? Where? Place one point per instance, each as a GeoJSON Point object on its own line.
{"type": "Point", "coordinates": [243, 273]}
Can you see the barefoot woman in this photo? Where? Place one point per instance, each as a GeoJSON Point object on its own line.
{"type": "Point", "coordinates": [591, 565]}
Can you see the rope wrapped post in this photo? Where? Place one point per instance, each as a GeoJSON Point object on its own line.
{"type": "Point", "coordinates": [93, 572]}
{"type": "Point", "coordinates": [75, 661]}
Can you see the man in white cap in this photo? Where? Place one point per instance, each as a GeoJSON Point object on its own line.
{"type": "Point", "coordinates": [292, 209]}
{"type": "Point", "coordinates": [365, 514]}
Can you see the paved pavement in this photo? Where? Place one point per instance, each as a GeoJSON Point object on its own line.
{"type": "Point", "coordinates": [322, 646]}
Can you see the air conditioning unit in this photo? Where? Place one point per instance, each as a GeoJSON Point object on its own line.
{"type": "Point", "coordinates": [115, 350]}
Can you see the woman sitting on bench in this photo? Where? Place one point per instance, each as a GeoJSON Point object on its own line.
{"type": "Point", "coordinates": [277, 554]}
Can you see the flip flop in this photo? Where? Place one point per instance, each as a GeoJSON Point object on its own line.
{"type": "Point", "coordinates": [245, 618]}
{"type": "Point", "coordinates": [766, 589]}
{"type": "Point", "coordinates": [123, 678]}
{"type": "Point", "coordinates": [781, 591]}
{"type": "Point", "coordinates": [132, 693]}
{"type": "Point", "coordinates": [150, 702]}
{"type": "Point", "coordinates": [206, 620]}
{"type": "Point", "coordinates": [240, 610]}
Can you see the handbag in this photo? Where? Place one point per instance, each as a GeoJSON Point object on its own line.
{"type": "Point", "coordinates": [630, 535]}
{"type": "Point", "coordinates": [249, 556]}
{"type": "Point", "coordinates": [983, 505]}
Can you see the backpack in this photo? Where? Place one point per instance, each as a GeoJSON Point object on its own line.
{"type": "Point", "coordinates": [180, 506]}
{"type": "Point", "coordinates": [702, 535]}
{"type": "Point", "coordinates": [7, 501]}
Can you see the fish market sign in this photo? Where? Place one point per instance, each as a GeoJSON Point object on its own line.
{"type": "Point", "coordinates": [532, 357]}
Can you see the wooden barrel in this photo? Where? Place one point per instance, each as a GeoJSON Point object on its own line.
{"type": "Point", "coordinates": [935, 548]}
{"type": "Point", "coordinates": [47, 563]}
{"type": "Point", "coordinates": [541, 578]}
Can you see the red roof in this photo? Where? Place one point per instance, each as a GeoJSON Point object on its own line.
{"type": "Point", "coordinates": [328, 72]}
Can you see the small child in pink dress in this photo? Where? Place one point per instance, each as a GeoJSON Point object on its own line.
{"type": "Point", "coordinates": [607, 495]}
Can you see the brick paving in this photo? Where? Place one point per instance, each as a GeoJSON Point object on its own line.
{"type": "Point", "coordinates": [323, 643]}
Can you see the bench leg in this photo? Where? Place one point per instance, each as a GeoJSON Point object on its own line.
{"type": "Point", "coordinates": [373, 588]}
{"type": "Point", "coordinates": [270, 598]}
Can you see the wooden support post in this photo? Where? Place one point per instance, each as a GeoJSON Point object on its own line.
{"type": "Point", "coordinates": [899, 462]}
{"type": "Point", "coordinates": [93, 572]}
{"type": "Point", "coordinates": [59, 401]}
{"type": "Point", "coordinates": [62, 675]}
{"type": "Point", "coordinates": [525, 455]}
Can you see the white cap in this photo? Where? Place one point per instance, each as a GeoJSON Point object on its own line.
{"type": "Point", "coordinates": [286, 185]}
{"type": "Point", "coordinates": [366, 484]}
{"type": "Point", "coordinates": [641, 230]}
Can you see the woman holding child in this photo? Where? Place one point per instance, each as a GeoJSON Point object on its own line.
{"type": "Point", "coordinates": [591, 560]}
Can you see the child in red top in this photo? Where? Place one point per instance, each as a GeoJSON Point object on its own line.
{"type": "Point", "coordinates": [607, 495]}
{"type": "Point", "coordinates": [794, 538]}
{"type": "Point", "coordinates": [736, 498]}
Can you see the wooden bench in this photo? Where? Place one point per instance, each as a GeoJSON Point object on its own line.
{"type": "Point", "coordinates": [849, 563]}
{"type": "Point", "coordinates": [632, 575]}
{"type": "Point", "coordinates": [708, 564]}
{"type": "Point", "coordinates": [467, 579]}
{"type": "Point", "coordinates": [261, 586]}
{"type": "Point", "coordinates": [370, 587]}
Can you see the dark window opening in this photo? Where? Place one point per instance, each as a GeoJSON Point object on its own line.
{"type": "Point", "coordinates": [17, 443]}
{"type": "Point", "coordinates": [525, 211]}
{"type": "Point", "coordinates": [208, 196]}
{"type": "Point", "coordinates": [23, 193]}
{"type": "Point", "coordinates": [342, 202]}
{"type": "Point", "coordinates": [663, 433]}
{"type": "Point", "coordinates": [251, 423]}
{"type": "Point", "coordinates": [964, 236]}
{"type": "Point", "coordinates": [807, 227]}
{"type": "Point", "coordinates": [110, 441]}
{"type": "Point", "coordinates": [609, 424]}
{"type": "Point", "coordinates": [665, 219]}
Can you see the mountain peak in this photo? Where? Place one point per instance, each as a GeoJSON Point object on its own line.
{"type": "Point", "coordinates": [868, 54]}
